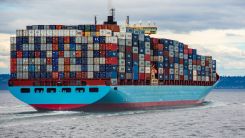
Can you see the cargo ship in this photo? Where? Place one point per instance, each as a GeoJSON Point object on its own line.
{"type": "Point", "coordinates": [106, 67]}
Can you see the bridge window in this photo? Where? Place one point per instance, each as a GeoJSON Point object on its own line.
{"type": "Point", "coordinates": [80, 90]}
{"type": "Point", "coordinates": [93, 90]}
{"type": "Point", "coordinates": [38, 90]}
{"type": "Point", "coordinates": [49, 90]}
{"type": "Point", "coordinates": [66, 89]}
{"type": "Point", "coordinates": [25, 90]}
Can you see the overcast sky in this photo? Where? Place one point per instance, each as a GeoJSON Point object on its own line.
{"type": "Point", "coordinates": [214, 27]}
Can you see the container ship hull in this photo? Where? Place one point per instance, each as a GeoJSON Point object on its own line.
{"type": "Point", "coordinates": [111, 97]}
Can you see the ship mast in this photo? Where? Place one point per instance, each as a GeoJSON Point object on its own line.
{"type": "Point", "coordinates": [111, 17]}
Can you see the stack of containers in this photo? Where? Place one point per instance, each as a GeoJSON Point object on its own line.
{"type": "Point", "coordinates": [102, 52]}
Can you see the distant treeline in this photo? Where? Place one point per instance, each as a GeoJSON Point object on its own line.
{"type": "Point", "coordinates": [226, 82]}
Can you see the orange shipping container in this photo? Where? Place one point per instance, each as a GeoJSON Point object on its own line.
{"type": "Point", "coordinates": [67, 68]}
{"type": "Point", "coordinates": [55, 47]}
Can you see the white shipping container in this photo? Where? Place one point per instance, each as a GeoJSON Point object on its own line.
{"type": "Point", "coordinates": [31, 47]}
{"type": "Point", "coordinates": [61, 68]}
{"type": "Point", "coordinates": [67, 47]}
{"type": "Point", "coordinates": [73, 61]}
{"type": "Point", "coordinates": [147, 70]}
{"type": "Point", "coordinates": [160, 70]}
{"type": "Point", "coordinates": [90, 47]}
{"type": "Point", "coordinates": [66, 53]}
{"type": "Point", "coordinates": [31, 40]}
{"type": "Point", "coordinates": [78, 67]}
{"type": "Point", "coordinates": [78, 39]}
{"type": "Point", "coordinates": [72, 67]}
{"type": "Point", "coordinates": [25, 47]}
{"type": "Point", "coordinates": [61, 61]}
{"type": "Point", "coordinates": [90, 53]}
{"type": "Point", "coordinates": [102, 60]}
{"type": "Point", "coordinates": [121, 62]}
{"type": "Point", "coordinates": [12, 40]}
{"type": "Point", "coordinates": [105, 32]}
{"type": "Point", "coordinates": [113, 81]}
{"type": "Point", "coordinates": [121, 35]}
{"type": "Point", "coordinates": [147, 51]}
{"type": "Point", "coordinates": [135, 50]}
{"type": "Point", "coordinates": [147, 63]}
{"type": "Point", "coordinates": [90, 61]}
{"type": "Point", "coordinates": [121, 69]}
{"type": "Point", "coordinates": [25, 61]}
{"type": "Point", "coordinates": [123, 28]}
{"type": "Point", "coordinates": [37, 68]}
{"type": "Point", "coordinates": [128, 36]}
{"type": "Point", "coordinates": [66, 32]}
{"type": "Point", "coordinates": [73, 32]}
{"type": "Point", "coordinates": [128, 42]}
{"type": "Point", "coordinates": [84, 40]}
{"type": "Point", "coordinates": [141, 69]}
{"type": "Point", "coordinates": [19, 75]}
{"type": "Point", "coordinates": [141, 57]}
{"type": "Point", "coordinates": [31, 32]}
{"type": "Point", "coordinates": [194, 78]}
{"type": "Point", "coordinates": [207, 78]}
{"type": "Point", "coordinates": [147, 45]}
{"type": "Point", "coordinates": [37, 61]}
{"type": "Point", "coordinates": [19, 68]}
{"type": "Point", "coordinates": [97, 61]}
{"type": "Point", "coordinates": [111, 39]}
{"type": "Point", "coordinates": [61, 32]}
{"type": "Point", "coordinates": [141, 63]}
{"type": "Point", "coordinates": [90, 68]}
{"type": "Point", "coordinates": [90, 40]}
{"type": "Point", "coordinates": [43, 39]}
{"type": "Point", "coordinates": [55, 32]}
{"type": "Point", "coordinates": [90, 75]}
{"type": "Point", "coordinates": [96, 47]}
{"type": "Point", "coordinates": [78, 47]}
{"type": "Point", "coordinates": [25, 67]}
{"type": "Point", "coordinates": [72, 53]}
{"type": "Point", "coordinates": [49, 54]}
{"type": "Point", "coordinates": [43, 47]}
{"type": "Point", "coordinates": [79, 32]}
{"type": "Point", "coordinates": [43, 33]}
{"type": "Point", "coordinates": [96, 68]}
{"type": "Point", "coordinates": [49, 32]}
{"type": "Point", "coordinates": [37, 32]}
{"type": "Point", "coordinates": [19, 61]}
{"type": "Point", "coordinates": [31, 61]}
{"type": "Point", "coordinates": [141, 37]}
{"type": "Point", "coordinates": [49, 68]}
{"type": "Point", "coordinates": [19, 33]}
{"type": "Point", "coordinates": [25, 75]}
{"type": "Point", "coordinates": [13, 47]}
{"type": "Point", "coordinates": [25, 33]}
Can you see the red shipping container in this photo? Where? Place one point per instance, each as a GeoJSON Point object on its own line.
{"type": "Point", "coordinates": [66, 39]}
{"type": "Point", "coordinates": [49, 61]}
{"type": "Point", "coordinates": [147, 76]}
{"type": "Point", "coordinates": [185, 51]}
{"type": "Point", "coordinates": [115, 28]}
{"type": "Point", "coordinates": [112, 61]}
{"type": "Point", "coordinates": [67, 68]}
{"type": "Point", "coordinates": [206, 63]}
{"type": "Point", "coordinates": [67, 75]}
{"type": "Point", "coordinates": [171, 60]}
{"type": "Point", "coordinates": [198, 62]}
{"type": "Point", "coordinates": [147, 57]}
{"type": "Point", "coordinates": [160, 47]}
{"type": "Point", "coordinates": [112, 47]}
{"type": "Point", "coordinates": [135, 56]}
{"type": "Point", "coordinates": [84, 75]}
{"type": "Point", "coordinates": [55, 75]}
{"type": "Point", "coordinates": [55, 40]}
{"type": "Point", "coordinates": [98, 27]}
{"type": "Point", "coordinates": [166, 53]}
{"type": "Point", "coordinates": [55, 47]}
{"type": "Point", "coordinates": [37, 54]}
{"type": "Point", "coordinates": [102, 46]}
{"type": "Point", "coordinates": [78, 53]}
{"type": "Point", "coordinates": [181, 77]}
{"type": "Point", "coordinates": [166, 71]}
{"type": "Point", "coordinates": [61, 53]}
{"type": "Point", "coordinates": [129, 49]}
{"type": "Point", "coordinates": [67, 61]}
{"type": "Point", "coordinates": [58, 27]}
{"type": "Point", "coordinates": [19, 54]}
{"type": "Point", "coordinates": [154, 40]}
{"type": "Point", "coordinates": [13, 61]}
{"type": "Point", "coordinates": [102, 53]}
{"type": "Point", "coordinates": [142, 76]}
{"type": "Point", "coordinates": [78, 75]}
{"type": "Point", "coordinates": [13, 69]}
{"type": "Point", "coordinates": [194, 62]}
{"type": "Point", "coordinates": [190, 51]}
{"type": "Point", "coordinates": [186, 46]}
{"type": "Point", "coordinates": [181, 61]}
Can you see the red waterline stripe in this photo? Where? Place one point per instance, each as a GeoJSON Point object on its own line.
{"type": "Point", "coordinates": [57, 106]}
{"type": "Point", "coordinates": [142, 105]}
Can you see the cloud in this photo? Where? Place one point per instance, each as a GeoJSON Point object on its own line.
{"type": "Point", "coordinates": [175, 15]}
{"type": "Point", "coordinates": [226, 50]}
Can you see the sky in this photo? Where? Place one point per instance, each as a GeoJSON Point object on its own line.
{"type": "Point", "coordinates": [214, 27]}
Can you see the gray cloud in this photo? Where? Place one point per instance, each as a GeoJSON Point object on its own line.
{"type": "Point", "coordinates": [178, 16]}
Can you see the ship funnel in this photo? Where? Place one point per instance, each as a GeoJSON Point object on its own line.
{"type": "Point", "coordinates": [110, 18]}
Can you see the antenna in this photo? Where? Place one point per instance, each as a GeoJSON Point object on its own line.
{"type": "Point", "coordinates": [95, 19]}
{"type": "Point", "coordinates": [127, 20]}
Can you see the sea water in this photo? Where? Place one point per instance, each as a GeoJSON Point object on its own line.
{"type": "Point", "coordinates": [222, 115]}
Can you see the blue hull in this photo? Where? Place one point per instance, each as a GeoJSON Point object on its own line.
{"type": "Point", "coordinates": [111, 96]}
